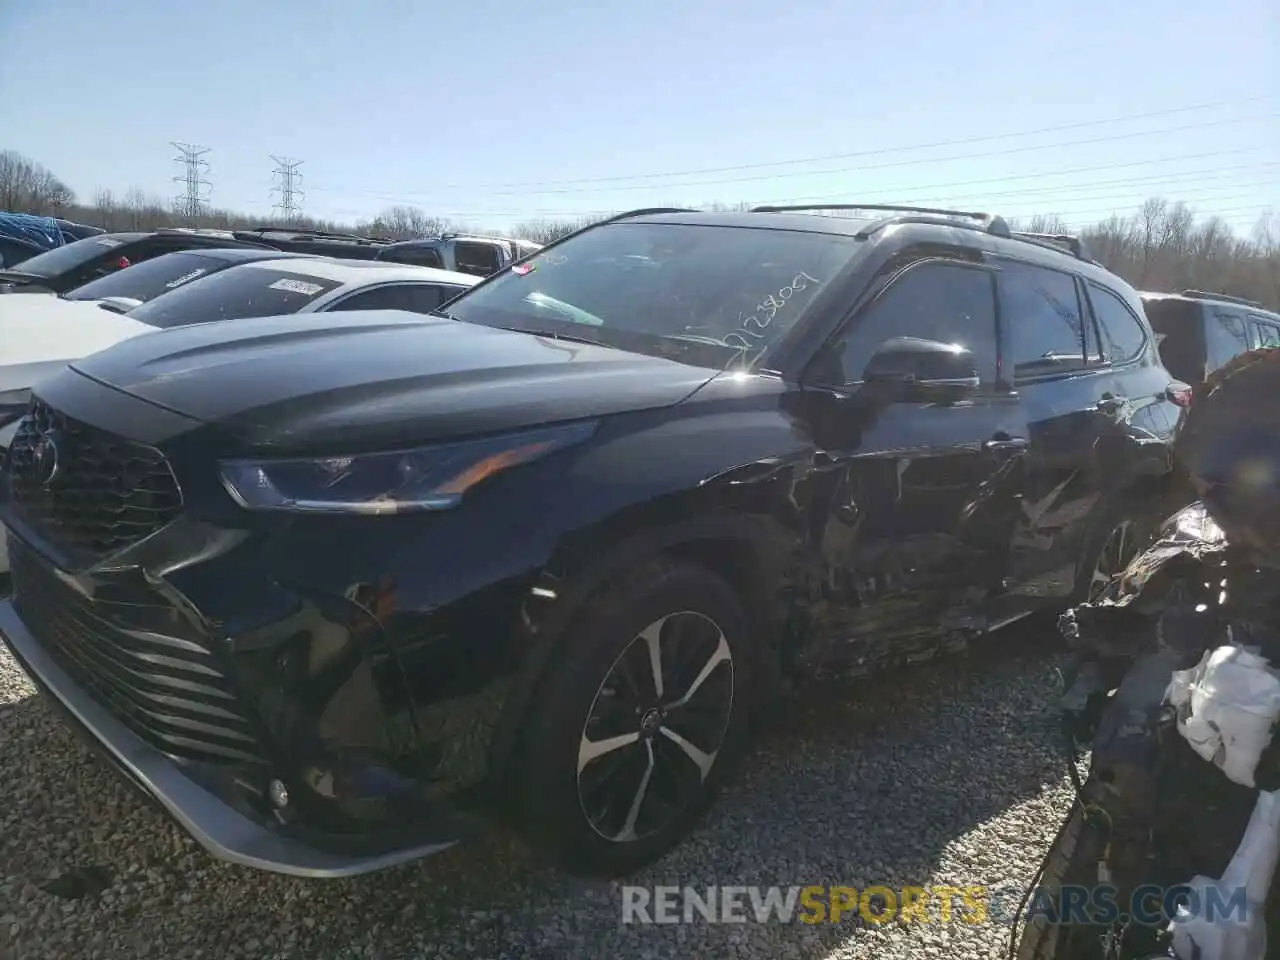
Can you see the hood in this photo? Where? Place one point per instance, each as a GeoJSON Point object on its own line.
{"type": "Point", "coordinates": [373, 379]}
{"type": "Point", "coordinates": [39, 334]}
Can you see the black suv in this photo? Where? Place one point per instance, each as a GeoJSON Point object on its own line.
{"type": "Point", "coordinates": [347, 246]}
{"type": "Point", "coordinates": [67, 267]}
{"type": "Point", "coordinates": [329, 586]}
{"type": "Point", "coordinates": [479, 256]}
{"type": "Point", "coordinates": [1199, 332]}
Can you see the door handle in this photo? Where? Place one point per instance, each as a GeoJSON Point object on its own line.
{"type": "Point", "coordinates": [1109, 403]}
{"type": "Point", "coordinates": [1005, 445]}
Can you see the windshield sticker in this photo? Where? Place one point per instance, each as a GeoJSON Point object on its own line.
{"type": "Point", "coordinates": [752, 326]}
{"type": "Point", "coordinates": [523, 269]}
{"type": "Point", "coordinates": [108, 241]}
{"type": "Point", "coordinates": [183, 279]}
{"type": "Point", "coordinates": [297, 286]}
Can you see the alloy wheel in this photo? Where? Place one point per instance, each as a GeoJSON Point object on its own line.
{"type": "Point", "coordinates": [1117, 550]}
{"type": "Point", "coordinates": [655, 727]}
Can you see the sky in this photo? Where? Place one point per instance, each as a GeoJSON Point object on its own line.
{"type": "Point", "coordinates": [492, 112]}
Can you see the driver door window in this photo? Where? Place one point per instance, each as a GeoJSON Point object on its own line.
{"type": "Point", "coordinates": [935, 300]}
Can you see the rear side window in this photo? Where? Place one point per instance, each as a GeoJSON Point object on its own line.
{"type": "Point", "coordinates": [1226, 336]}
{"type": "Point", "coordinates": [149, 279]}
{"type": "Point", "coordinates": [1041, 312]}
{"type": "Point", "coordinates": [480, 259]}
{"type": "Point", "coordinates": [1268, 333]}
{"type": "Point", "coordinates": [417, 256]}
{"type": "Point", "coordinates": [1122, 335]}
{"type": "Point", "coordinates": [243, 291]}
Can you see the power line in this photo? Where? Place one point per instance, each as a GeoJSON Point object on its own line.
{"type": "Point", "coordinates": [619, 181]}
{"type": "Point", "coordinates": [288, 185]}
{"type": "Point", "coordinates": [1213, 172]}
{"type": "Point", "coordinates": [943, 193]}
{"type": "Point", "coordinates": [191, 202]}
{"type": "Point", "coordinates": [918, 161]}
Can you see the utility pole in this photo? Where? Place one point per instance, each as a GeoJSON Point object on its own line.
{"type": "Point", "coordinates": [190, 203]}
{"type": "Point", "coordinates": [288, 184]}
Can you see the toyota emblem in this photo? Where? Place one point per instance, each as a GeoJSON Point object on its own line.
{"type": "Point", "coordinates": [45, 462]}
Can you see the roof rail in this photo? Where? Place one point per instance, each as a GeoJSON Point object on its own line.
{"type": "Point", "coordinates": [302, 232]}
{"type": "Point", "coordinates": [986, 222]}
{"type": "Point", "coordinates": [1074, 245]}
{"type": "Point", "coordinates": [644, 212]}
{"type": "Point", "coordinates": [1205, 295]}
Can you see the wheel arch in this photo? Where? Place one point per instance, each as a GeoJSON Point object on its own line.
{"type": "Point", "coordinates": [752, 551]}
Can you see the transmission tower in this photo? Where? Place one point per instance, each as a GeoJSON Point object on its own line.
{"type": "Point", "coordinates": [289, 186]}
{"type": "Point", "coordinates": [191, 202]}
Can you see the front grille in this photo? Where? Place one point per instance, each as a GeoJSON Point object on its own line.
{"type": "Point", "coordinates": [105, 494]}
{"type": "Point", "coordinates": [169, 690]}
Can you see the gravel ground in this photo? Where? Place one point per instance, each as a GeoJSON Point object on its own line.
{"type": "Point", "coordinates": [947, 774]}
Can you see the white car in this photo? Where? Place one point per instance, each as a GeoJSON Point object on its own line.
{"type": "Point", "coordinates": [276, 287]}
{"type": "Point", "coordinates": [41, 333]}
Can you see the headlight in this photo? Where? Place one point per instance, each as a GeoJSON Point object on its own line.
{"type": "Point", "coordinates": [431, 478]}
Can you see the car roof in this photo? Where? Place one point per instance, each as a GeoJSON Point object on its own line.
{"type": "Point", "coordinates": [803, 222]}
{"type": "Point", "coordinates": [1201, 296]}
{"type": "Point", "coordinates": [121, 237]}
{"type": "Point", "coordinates": [952, 227]}
{"type": "Point", "coordinates": [241, 254]}
{"type": "Point", "coordinates": [360, 271]}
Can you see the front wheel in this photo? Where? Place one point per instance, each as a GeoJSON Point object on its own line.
{"type": "Point", "coordinates": [1113, 544]}
{"type": "Point", "coordinates": [641, 716]}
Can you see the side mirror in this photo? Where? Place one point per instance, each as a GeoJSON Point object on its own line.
{"type": "Point", "coordinates": [912, 370]}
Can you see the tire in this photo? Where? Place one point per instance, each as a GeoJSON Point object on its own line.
{"type": "Point", "coordinates": [1103, 557]}
{"type": "Point", "coordinates": [600, 687]}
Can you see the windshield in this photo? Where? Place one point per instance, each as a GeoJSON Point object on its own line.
{"type": "Point", "coordinates": [148, 279]}
{"type": "Point", "coordinates": [61, 259]}
{"type": "Point", "coordinates": [653, 287]}
{"type": "Point", "coordinates": [242, 291]}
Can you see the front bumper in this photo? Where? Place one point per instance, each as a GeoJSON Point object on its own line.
{"type": "Point", "coordinates": [218, 827]}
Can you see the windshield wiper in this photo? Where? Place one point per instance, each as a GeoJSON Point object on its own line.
{"type": "Point", "coordinates": [556, 335]}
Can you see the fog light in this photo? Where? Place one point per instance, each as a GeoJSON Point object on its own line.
{"type": "Point", "coordinates": [279, 794]}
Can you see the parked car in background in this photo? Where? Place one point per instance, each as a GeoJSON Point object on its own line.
{"type": "Point", "coordinates": [75, 264]}
{"type": "Point", "coordinates": [126, 289]}
{"type": "Point", "coordinates": [348, 246]}
{"type": "Point", "coordinates": [281, 285]}
{"type": "Point", "coordinates": [555, 546]}
{"type": "Point", "coordinates": [23, 236]}
{"type": "Point", "coordinates": [1199, 332]}
{"type": "Point", "coordinates": [480, 256]}
{"type": "Point", "coordinates": [72, 231]}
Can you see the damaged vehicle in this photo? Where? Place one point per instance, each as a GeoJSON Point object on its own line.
{"type": "Point", "coordinates": [336, 589]}
{"type": "Point", "coordinates": [1170, 847]}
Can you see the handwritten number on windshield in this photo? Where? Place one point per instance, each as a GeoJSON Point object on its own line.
{"type": "Point", "coordinates": [754, 325]}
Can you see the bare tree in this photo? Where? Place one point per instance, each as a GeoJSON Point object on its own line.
{"type": "Point", "coordinates": [29, 187]}
{"type": "Point", "coordinates": [1163, 246]}
{"type": "Point", "coordinates": [406, 223]}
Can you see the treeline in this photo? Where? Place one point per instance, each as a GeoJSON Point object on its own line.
{"type": "Point", "coordinates": [1164, 246]}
